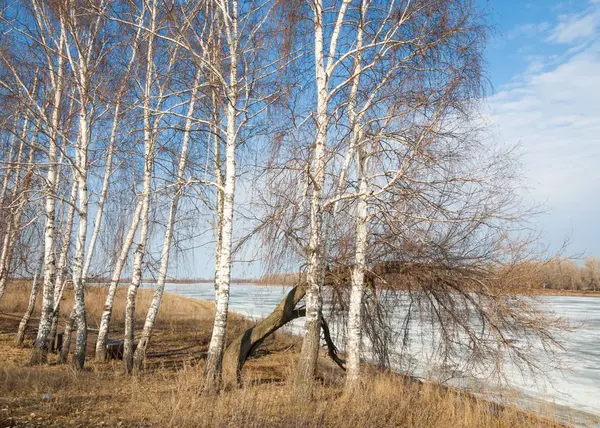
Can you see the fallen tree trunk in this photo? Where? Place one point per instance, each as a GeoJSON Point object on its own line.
{"type": "Point", "coordinates": [242, 347]}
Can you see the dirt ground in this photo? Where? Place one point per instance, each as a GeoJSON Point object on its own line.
{"type": "Point", "coordinates": [56, 395]}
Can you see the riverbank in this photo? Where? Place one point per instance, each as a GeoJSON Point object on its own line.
{"type": "Point", "coordinates": [166, 393]}
{"type": "Point", "coordinates": [573, 293]}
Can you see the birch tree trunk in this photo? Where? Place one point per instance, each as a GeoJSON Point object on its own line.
{"type": "Point", "coordinates": [140, 351]}
{"type": "Point", "coordinates": [63, 357]}
{"type": "Point", "coordinates": [307, 362]}
{"type": "Point", "coordinates": [138, 258]}
{"type": "Point", "coordinates": [219, 179]}
{"type": "Point", "coordinates": [78, 274]}
{"type": "Point", "coordinates": [212, 373]}
{"type": "Point", "coordinates": [35, 286]}
{"type": "Point", "coordinates": [62, 271]}
{"type": "Point", "coordinates": [127, 243]}
{"type": "Point", "coordinates": [103, 192]}
{"type": "Point", "coordinates": [354, 322]}
{"type": "Point", "coordinates": [61, 276]}
{"type": "Point", "coordinates": [36, 279]}
{"type": "Point", "coordinates": [354, 339]}
{"type": "Point", "coordinates": [39, 352]}
{"type": "Point", "coordinates": [114, 282]}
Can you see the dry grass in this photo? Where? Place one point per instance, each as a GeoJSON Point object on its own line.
{"type": "Point", "coordinates": [166, 394]}
{"type": "Point", "coordinates": [383, 401]}
{"type": "Point", "coordinates": [172, 308]}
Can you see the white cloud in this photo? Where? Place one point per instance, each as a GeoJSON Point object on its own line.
{"type": "Point", "coordinates": [555, 116]}
{"type": "Point", "coordinates": [578, 26]}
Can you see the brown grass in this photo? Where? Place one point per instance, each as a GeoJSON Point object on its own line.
{"type": "Point", "coordinates": [166, 394]}
{"type": "Point", "coordinates": [173, 308]}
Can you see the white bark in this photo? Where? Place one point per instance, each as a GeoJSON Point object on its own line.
{"type": "Point", "coordinates": [78, 274]}
{"type": "Point", "coordinates": [354, 323]}
{"type": "Point", "coordinates": [35, 286]}
{"type": "Point", "coordinates": [354, 332]}
{"type": "Point", "coordinates": [315, 271]}
{"type": "Point", "coordinates": [217, 342]}
{"type": "Point", "coordinates": [84, 42]}
{"type": "Point", "coordinates": [140, 351]}
{"type": "Point", "coordinates": [127, 243]}
{"type": "Point", "coordinates": [62, 271]}
{"type": "Point", "coordinates": [149, 141]}
{"type": "Point", "coordinates": [40, 349]}
{"type": "Point", "coordinates": [36, 279]}
{"type": "Point", "coordinates": [5, 257]}
{"type": "Point", "coordinates": [219, 191]}
{"type": "Point", "coordinates": [114, 282]}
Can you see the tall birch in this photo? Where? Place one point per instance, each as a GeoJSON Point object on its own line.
{"type": "Point", "coordinates": [149, 144]}
{"type": "Point", "coordinates": [140, 351]}
{"type": "Point", "coordinates": [354, 323]}
{"type": "Point", "coordinates": [39, 352]}
{"type": "Point", "coordinates": [316, 247]}
{"type": "Point", "coordinates": [114, 282]}
{"type": "Point", "coordinates": [35, 286]}
{"type": "Point", "coordinates": [229, 11]}
{"type": "Point", "coordinates": [100, 353]}
{"type": "Point", "coordinates": [82, 54]}
{"type": "Point", "coordinates": [62, 269]}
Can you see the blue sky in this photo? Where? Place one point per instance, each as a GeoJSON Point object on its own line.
{"type": "Point", "coordinates": [544, 64]}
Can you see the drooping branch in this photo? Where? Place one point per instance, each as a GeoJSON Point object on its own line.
{"type": "Point", "coordinates": [332, 350]}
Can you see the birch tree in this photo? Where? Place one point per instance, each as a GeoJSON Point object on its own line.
{"type": "Point", "coordinates": [415, 46]}
{"type": "Point", "coordinates": [128, 241]}
{"type": "Point", "coordinates": [140, 351]}
{"type": "Point", "coordinates": [229, 14]}
{"type": "Point", "coordinates": [83, 51]}
{"type": "Point", "coordinates": [35, 286]}
{"type": "Point", "coordinates": [149, 144]}
{"type": "Point", "coordinates": [57, 69]}
{"type": "Point", "coordinates": [114, 282]}
{"type": "Point", "coordinates": [324, 67]}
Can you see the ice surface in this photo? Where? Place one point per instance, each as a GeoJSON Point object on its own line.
{"type": "Point", "coordinates": [573, 390]}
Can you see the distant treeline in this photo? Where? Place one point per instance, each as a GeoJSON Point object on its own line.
{"type": "Point", "coordinates": [557, 274]}
{"type": "Point", "coordinates": [560, 274]}
{"type": "Point", "coordinates": [568, 275]}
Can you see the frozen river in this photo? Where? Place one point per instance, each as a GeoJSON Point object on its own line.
{"type": "Point", "coordinates": [574, 390]}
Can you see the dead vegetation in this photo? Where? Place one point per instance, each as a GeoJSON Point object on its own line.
{"type": "Point", "coordinates": [167, 392]}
